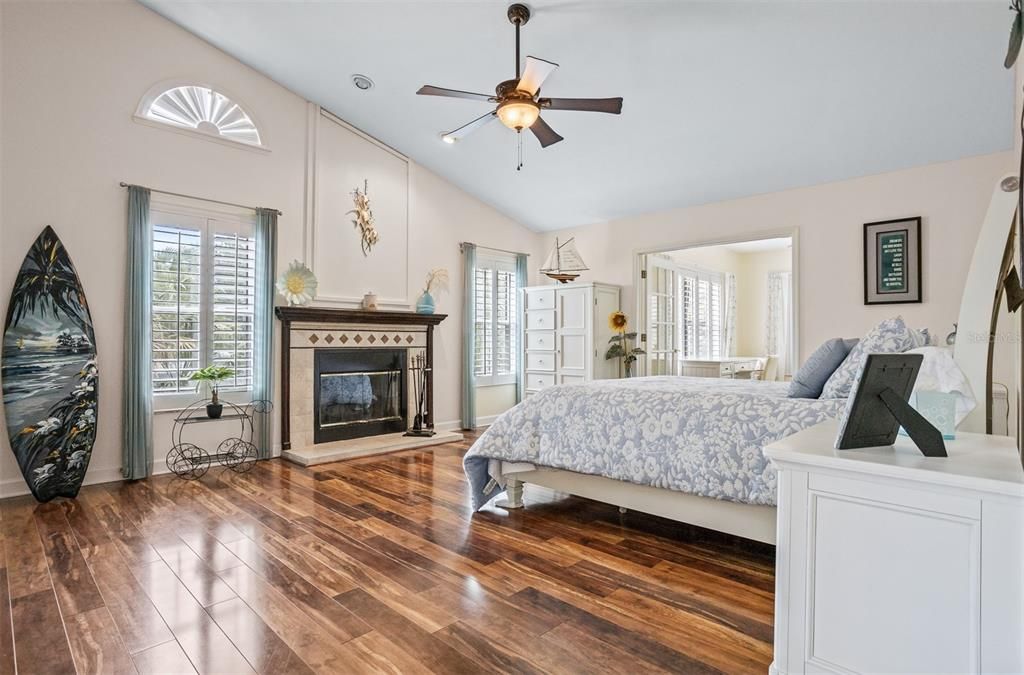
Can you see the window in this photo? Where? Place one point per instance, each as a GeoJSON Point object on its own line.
{"type": "Point", "coordinates": [204, 292]}
{"type": "Point", "coordinates": [495, 328]}
{"type": "Point", "coordinates": [200, 109]}
{"type": "Point", "coordinates": [702, 296]}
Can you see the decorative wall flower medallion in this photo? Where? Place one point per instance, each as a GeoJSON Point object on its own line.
{"type": "Point", "coordinates": [364, 218]}
{"type": "Point", "coordinates": [297, 285]}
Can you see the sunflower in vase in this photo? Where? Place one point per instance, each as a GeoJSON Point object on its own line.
{"type": "Point", "coordinates": [619, 343]}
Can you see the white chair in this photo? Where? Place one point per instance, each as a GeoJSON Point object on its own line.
{"type": "Point", "coordinates": [768, 371]}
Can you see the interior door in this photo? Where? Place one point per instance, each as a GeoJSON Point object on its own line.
{"type": "Point", "coordinates": [661, 292]}
{"type": "Point", "coordinates": [571, 353]}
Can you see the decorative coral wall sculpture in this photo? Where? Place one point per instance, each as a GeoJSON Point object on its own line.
{"type": "Point", "coordinates": [364, 218]}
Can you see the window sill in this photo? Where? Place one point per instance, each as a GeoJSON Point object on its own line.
{"type": "Point", "coordinates": [499, 383]}
{"type": "Point", "coordinates": [172, 404]}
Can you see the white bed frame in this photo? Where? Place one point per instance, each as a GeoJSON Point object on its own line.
{"type": "Point", "coordinates": [758, 522]}
{"type": "Point", "coordinates": [743, 520]}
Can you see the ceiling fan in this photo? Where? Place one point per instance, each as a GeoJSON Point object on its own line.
{"type": "Point", "coordinates": [518, 99]}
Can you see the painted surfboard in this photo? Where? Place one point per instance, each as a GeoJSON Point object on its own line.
{"type": "Point", "coordinates": [49, 376]}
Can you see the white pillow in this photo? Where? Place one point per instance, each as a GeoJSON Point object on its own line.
{"type": "Point", "coordinates": [889, 337]}
{"type": "Point", "coordinates": [940, 372]}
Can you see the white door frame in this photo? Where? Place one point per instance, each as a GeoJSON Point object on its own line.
{"type": "Point", "coordinates": [641, 286]}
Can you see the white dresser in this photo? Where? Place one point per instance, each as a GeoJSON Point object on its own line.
{"type": "Point", "coordinates": [892, 562]}
{"type": "Point", "coordinates": [567, 333]}
{"type": "Point", "coordinates": [733, 367]}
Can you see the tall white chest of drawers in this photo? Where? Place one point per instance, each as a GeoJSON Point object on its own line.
{"type": "Point", "coordinates": [567, 333]}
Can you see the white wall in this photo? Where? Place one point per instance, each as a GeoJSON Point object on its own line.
{"type": "Point", "coordinates": [951, 198]}
{"type": "Point", "coordinates": [68, 137]}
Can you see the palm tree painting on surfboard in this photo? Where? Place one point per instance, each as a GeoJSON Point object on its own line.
{"type": "Point", "coordinates": [49, 375]}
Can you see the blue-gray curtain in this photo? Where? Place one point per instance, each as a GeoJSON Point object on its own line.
{"type": "Point", "coordinates": [521, 276]}
{"type": "Point", "coordinates": [263, 331]}
{"type": "Point", "coordinates": [137, 395]}
{"type": "Point", "coordinates": [468, 336]}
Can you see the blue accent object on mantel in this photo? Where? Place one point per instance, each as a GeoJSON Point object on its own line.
{"type": "Point", "coordinates": [425, 305]}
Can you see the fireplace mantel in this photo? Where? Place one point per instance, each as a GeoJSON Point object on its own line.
{"type": "Point", "coordinates": [363, 316]}
{"type": "Point", "coordinates": [296, 323]}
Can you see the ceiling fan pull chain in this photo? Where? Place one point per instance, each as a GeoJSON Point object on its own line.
{"type": "Point", "coordinates": [519, 150]}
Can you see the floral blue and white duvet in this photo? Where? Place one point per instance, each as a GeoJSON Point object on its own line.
{"type": "Point", "coordinates": [702, 436]}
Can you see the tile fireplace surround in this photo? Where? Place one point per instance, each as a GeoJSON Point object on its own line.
{"type": "Point", "coordinates": [305, 331]}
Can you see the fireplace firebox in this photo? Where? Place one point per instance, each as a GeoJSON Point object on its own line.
{"type": "Point", "coordinates": [358, 392]}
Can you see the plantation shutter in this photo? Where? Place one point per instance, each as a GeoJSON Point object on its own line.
{"type": "Point", "coordinates": [715, 318]}
{"type": "Point", "coordinates": [688, 292]}
{"type": "Point", "coordinates": [496, 325]}
{"type": "Point", "coordinates": [505, 308]}
{"type": "Point", "coordinates": [232, 307]}
{"type": "Point", "coordinates": [177, 292]}
{"type": "Point", "coordinates": [701, 300]}
{"type": "Point", "coordinates": [483, 334]}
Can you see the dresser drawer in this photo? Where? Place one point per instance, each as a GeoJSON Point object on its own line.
{"type": "Point", "coordinates": [539, 380]}
{"type": "Point", "coordinates": [540, 318]}
{"type": "Point", "coordinates": [540, 339]}
{"type": "Point", "coordinates": [540, 299]}
{"type": "Point", "coordinates": [540, 361]}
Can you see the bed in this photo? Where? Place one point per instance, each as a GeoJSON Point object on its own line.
{"type": "Point", "coordinates": [680, 447]}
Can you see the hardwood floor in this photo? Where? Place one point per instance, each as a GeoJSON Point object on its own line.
{"type": "Point", "coordinates": [369, 565]}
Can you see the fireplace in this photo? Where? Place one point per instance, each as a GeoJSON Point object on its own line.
{"type": "Point", "coordinates": [358, 392]}
{"type": "Point", "coordinates": [345, 382]}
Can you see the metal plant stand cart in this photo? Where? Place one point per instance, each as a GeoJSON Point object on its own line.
{"type": "Point", "coordinates": [238, 453]}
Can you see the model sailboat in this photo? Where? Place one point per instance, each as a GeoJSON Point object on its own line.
{"type": "Point", "coordinates": [564, 263]}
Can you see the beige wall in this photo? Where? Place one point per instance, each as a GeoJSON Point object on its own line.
{"type": "Point", "coordinates": [752, 298]}
{"type": "Point", "coordinates": [68, 137]}
{"type": "Point", "coordinates": [951, 198]}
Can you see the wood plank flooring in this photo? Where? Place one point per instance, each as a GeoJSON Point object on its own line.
{"type": "Point", "coordinates": [370, 565]}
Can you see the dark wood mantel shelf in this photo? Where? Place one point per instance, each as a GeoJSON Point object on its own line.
{"type": "Point", "coordinates": [331, 315]}
{"type": "Point", "coordinates": [327, 315]}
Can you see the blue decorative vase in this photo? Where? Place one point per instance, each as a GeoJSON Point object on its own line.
{"type": "Point", "coordinates": [425, 305]}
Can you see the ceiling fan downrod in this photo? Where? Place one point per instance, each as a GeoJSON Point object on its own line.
{"type": "Point", "coordinates": [518, 15]}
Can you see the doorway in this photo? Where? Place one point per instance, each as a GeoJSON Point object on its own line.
{"type": "Point", "coordinates": [721, 309]}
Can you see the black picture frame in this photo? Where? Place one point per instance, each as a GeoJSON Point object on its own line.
{"type": "Point", "coordinates": [892, 262]}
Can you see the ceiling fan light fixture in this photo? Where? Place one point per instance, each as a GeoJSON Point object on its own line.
{"type": "Point", "coordinates": [518, 114]}
{"type": "Point", "coordinates": [449, 139]}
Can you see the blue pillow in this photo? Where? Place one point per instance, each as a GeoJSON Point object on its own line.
{"type": "Point", "coordinates": [889, 337]}
{"type": "Point", "coordinates": [819, 366]}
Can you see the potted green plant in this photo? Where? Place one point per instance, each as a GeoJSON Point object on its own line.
{"type": "Point", "coordinates": [212, 376]}
{"type": "Point", "coordinates": [619, 342]}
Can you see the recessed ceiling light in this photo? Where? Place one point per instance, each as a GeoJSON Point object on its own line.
{"type": "Point", "coordinates": [362, 82]}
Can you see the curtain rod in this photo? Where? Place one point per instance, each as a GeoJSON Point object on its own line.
{"type": "Point", "coordinates": [462, 245]}
{"type": "Point", "coordinates": [203, 199]}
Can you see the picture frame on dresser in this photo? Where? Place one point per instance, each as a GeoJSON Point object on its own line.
{"type": "Point", "coordinates": [892, 262]}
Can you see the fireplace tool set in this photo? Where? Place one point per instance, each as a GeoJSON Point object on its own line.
{"type": "Point", "coordinates": [419, 370]}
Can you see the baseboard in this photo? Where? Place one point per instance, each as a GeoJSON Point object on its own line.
{"type": "Point", "coordinates": [16, 487]}
{"type": "Point", "coordinates": [456, 425]}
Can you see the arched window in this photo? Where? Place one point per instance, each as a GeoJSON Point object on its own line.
{"type": "Point", "coordinates": [200, 109]}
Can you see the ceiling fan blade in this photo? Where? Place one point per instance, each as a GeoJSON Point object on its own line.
{"type": "Point", "coordinates": [536, 71]}
{"type": "Point", "coordinates": [470, 127]}
{"type": "Point", "coordinates": [545, 134]}
{"type": "Point", "coordinates": [604, 105]}
{"type": "Point", "coordinates": [429, 90]}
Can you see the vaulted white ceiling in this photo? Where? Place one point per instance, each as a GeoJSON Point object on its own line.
{"type": "Point", "coordinates": [722, 99]}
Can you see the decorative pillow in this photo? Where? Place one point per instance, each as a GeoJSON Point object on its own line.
{"type": "Point", "coordinates": [889, 337]}
{"type": "Point", "coordinates": [819, 366]}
